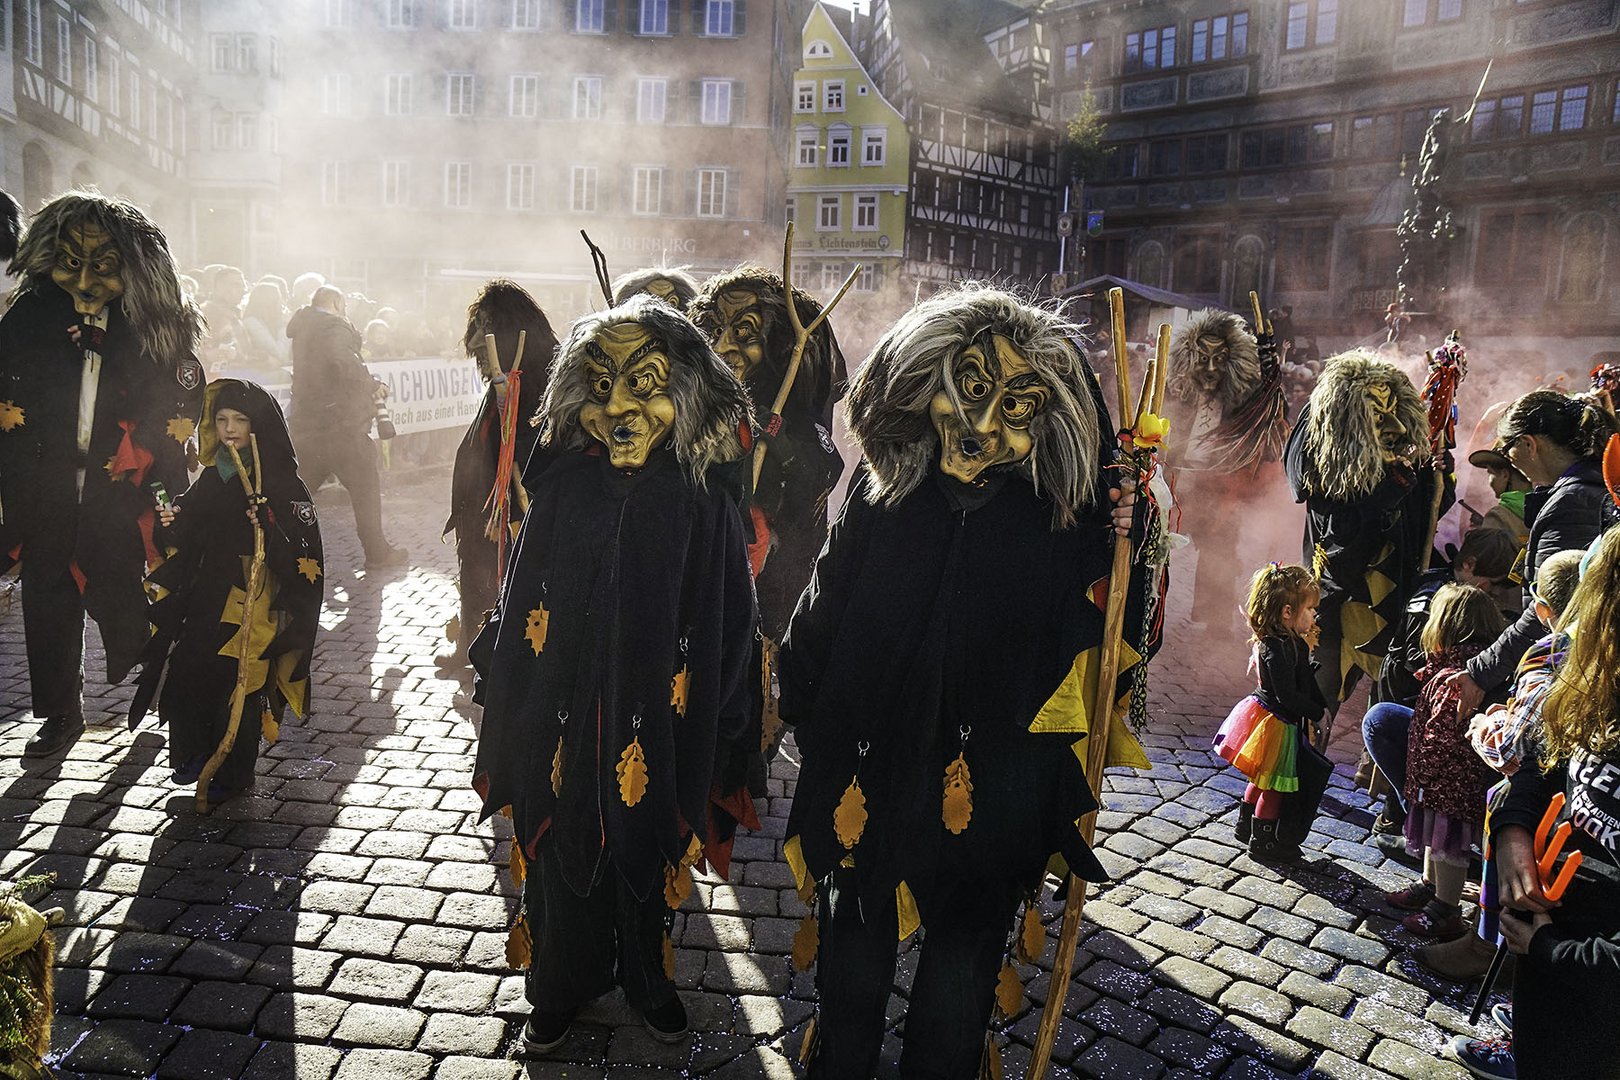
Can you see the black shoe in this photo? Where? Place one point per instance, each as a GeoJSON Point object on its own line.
{"type": "Point", "coordinates": [1266, 847]}
{"type": "Point", "coordinates": [1245, 823]}
{"type": "Point", "coordinates": [187, 774]}
{"type": "Point", "coordinates": [55, 733]}
{"type": "Point", "coordinates": [388, 557]}
{"type": "Point", "coordinates": [545, 1031]}
{"type": "Point", "coordinates": [667, 1023]}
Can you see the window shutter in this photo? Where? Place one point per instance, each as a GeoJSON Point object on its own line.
{"type": "Point", "coordinates": [674, 17]}
{"type": "Point", "coordinates": [739, 24]}
{"type": "Point", "coordinates": [694, 101]}
{"type": "Point", "coordinates": [570, 14]}
{"type": "Point", "coordinates": [733, 194]}
{"type": "Point", "coordinates": [610, 14]}
{"type": "Point", "coordinates": [698, 24]}
{"type": "Point", "coordinates": [738, 101]}
{"type": "Point", "coordinates": [691, 200]}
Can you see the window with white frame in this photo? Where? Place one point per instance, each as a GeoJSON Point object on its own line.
{"type": "Point", "coordinates": [832, 276]}
{"type": "Point", "coordinates": [866, 213]}
{"type": "Point", "coordinates": [397, 94]}
{"type": "Point", "coordinates": [838, 144]}
{"type": "Point", "coordinates": [818, 50]}
{"type": "Point", "coordinates": [829, 213]}
{"type": "Point", "coordinates": [582, 190]}
{"type": "Point", "coordinates": [525, 14]}
{"type": "Point", "coordinates": [221, 52]}
{"type": "Point", "coordinates": [806, 144]}
{"type": "Point", "coordinates": [1220, 37]}
{"type": "Point", "coordinates": [223, 129]}
{"type": "Point", "coordinates": [590, 17]}
{"type": "Point", "coordinates": [399, 14]}
{"type": "Point", "coordinates": [247, 52]}
{"type": "Point", "coordinates": [33, 34]}
{"type": "Point", "coordinates": [804, 275]}
{"type": "Point", "coordinates": [711, 193]}
{"type": "Point", "coordinates": [335, 93]}
{"type": "Point", "coordinates": [587, 97]}
{"type": "Point", "coordinates": [652, 100]}
{"type": "Point", "coordinates": [654, 17]}
{"type": "Point", "coordinates": [520, 186]}
{"type": "Point", "coordinates": [275, 57]}
{"type": "Point", "coordinates": [115, 85]}
{"type": "Point", "coordinates": [804, 96]}
{"type": "Point", "coordinates": [458, 184]}
{"type": "Point", "coordinates": [874, 146]}
{"type": "Point", "coordinates": [832, 95]}
{"type": "Point", "coordinates": [64, 49]}
{"type": "Point", "coordinates": [866, 278]}
{"type": "Point", "coordinates": [396, 183]}
{"type": "Point", "coordinates": [92, 70]}
{"type": "Point", "coordinates": [720, 18]}
{"type": "Point", "coordinates": [339, 13]}
{"type": "Point", "coordinates": [463, 14]}
{"type": "Point", "coordinates": [525, 96]}
{"type": "Point", "coordinates": [334, 183]}
{"type": "Point", "coordinates": [792, 210]}
{"type": "Point", "coordinates": [137, 99]}
{"type": "Point", "coordinates": [647, 190]}
{"type": "Point", "coordinates": [1311, 22]}
{"type": "Point", "coordinates": [247, 131]}
{"type": "Point", "coordinates": [458, 93]}
{"type": "Point", "coordinates": [716, 101]}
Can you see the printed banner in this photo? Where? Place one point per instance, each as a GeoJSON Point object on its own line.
{"type": "Point", "coordinates": [425, 393]}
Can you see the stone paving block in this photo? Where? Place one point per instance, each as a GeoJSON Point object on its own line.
{"type": "Point", "coordinates": [1299, 957]}
{"type": "Point", "coordinates": [463, 992]}
{"type": "Point", "coordinates": [376, 980]}
{"type": "Point", "coordinates": [139, 997]}
{"type": "Point", "coordinates": [1162, 908]}
{"type": "Point", "coordinates": [1131, 952]}
{"type": "Point", "coordinates": [208, 1055]}
{"type": "Point", "coordinates": [1110, 1059]}
{"type": "Point", "coordinates": [1262, 1003]}
{"type": "Point", "coordinates": [1231, 932]}
{"type": "Point", "coordinates": [229, 1006]}
{"type": "Point", "coordinates": [1189, 1050]}
{"type": "Point", "coordinates": [1182, 1010]}
{"type": "Point", "coordinates": [747, 973]}
{"type": "Point", "coordinates": [366, 1024]}
{"type": "Point", "coordinates": [1247, 1068]}
{"type": "Point", "coordinates": [454, 1033]}
{"type": "Point", "coordinates": [303, 1061]}
{"type": "Point", "coordinates": [1246, 966]}
{"type": "Point", "coordinates": [1111, 916]}
{"type": "Point", "coordinates": [1411, 1063]}
{"type": "Point", "coordinates": [336, 897]}
{"type": "Point", "coordinates": [291, 967]}
{"type": "Point", "coordinates": [1396, 1023]}
{"type": "Point", "coordinates": [142, 952]}
{"type": "Point", "coordinates": [361, 936]}
{"type": "Point", "coordinates": [1352, 947]}
{"type": "Point", "coordinates": [1109, 1017]}
{"type": "Point", "coordinates": [1220, 901]}
{"type": "Point", "coordinates": [367, 1064]}
{"type": "Point", "coordinates": [1175, 940]}
{"type": "Point", "coordinates": [1108, 978]}
{"type": "Point", "coordinates": [287, 927]}
{"type": "Point", "coordinates": [473, 910]}
{"type": "Point", "coordinates": [1324, 1029]}
{"type": "Point", "coordinates": [443, 945]}
{"type": "Point", "coordinates": [473, 1068]}
{"type": "Point", "coordinates": [1245, 1036]}
{"type": "Point", "coordinates": [1365, 982]}
{"type": "Point", "coordinates": [131, 1047]}
{"type": "Point", "coordinates": [302, 1017]}
{"type": "Point", "coordinates": [1313, 991]}
{"type": "Point", "coordinates": [1320, 910]}
{"type": "Point", "coordinates": [1335, 1066]}
{"type": "Point", "coordinates": [1199, 980]}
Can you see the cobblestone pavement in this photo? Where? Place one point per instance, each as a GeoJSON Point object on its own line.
{"type": "Point", "coordinates": [348, 918]}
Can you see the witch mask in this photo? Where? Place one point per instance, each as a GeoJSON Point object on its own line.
{"type": "Point", "coordinates": [1211, 354]}
{"type": "Point", "coordinates": [984, 412]}
{"type": "Point", "coordinates": [1394, 440]}
{"type": "Point", "coordinates": [628, 407]}
{"type": "Point", "coordinates": [89, 267]}
{"type": "Point", "coordinates": [739, 331]}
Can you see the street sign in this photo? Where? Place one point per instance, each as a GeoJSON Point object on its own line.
{"type": "Point", "coordinates": [1065, 224]}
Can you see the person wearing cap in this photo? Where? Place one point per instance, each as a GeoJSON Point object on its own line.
{"type": "Point", "coordinates": [1510, 486]}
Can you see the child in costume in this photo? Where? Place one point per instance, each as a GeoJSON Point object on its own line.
{"type": "Point", "coordinates": [612, 673]}
{"type": "Point", "coordinates": [1445, 780]}
{"type": "Point", "coordinates": [200, 620]}
{"type": "Point", "coordinates": [1268, 732]}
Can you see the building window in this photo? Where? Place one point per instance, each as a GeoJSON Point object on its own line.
{"type": "Point", "coordinates": [806, 143]}
{"type": "Point", "coordinates": [588, 97]}
{"type": "Point", "coordinates": [275, 57]}
{"type": "Point", "coordinates": [1563, 109]}
{"type": "Point", "coordinates": [818, 50]}
{"type": "Point", "coordinates": [1305, 256]}
{"type": "Point", "coordinates": [335, 93]}
{"type": "Point", "coordinates": [1164, 157]}
{"type": "Point", "coordinates": [803, 275]}
{"type": "Point", "coordinates": [458, 93]}
{"type": "Point", "coordinates": [92, 69]}
{"type": "Point", "coordinates": [874, 146]}
{"type": "Point", "coordinates": [64, 49]}
{"type": "Point", "coordinates": [1150, 50]}
{"type": "Point", "coordinates": [832, 99]}
{"type": "Point", "coordinates": [463, 14]}
{"type": "Point", "coordinates": [221, 51]}
{"type": "Point", "coordinates": [1513, 248]}
{"type": "Point", "coordinates": [458, 185]}
{"type": "Point", "coordinates": [647, 190]}
{"type": "Point", "coordinates": [716, 101]}
{"type": "Point", "coordinates": [1429, 12]}
{"type": "Point", "coordinates": [1581, 266]}
{"type": "Point", "coordinates": [525, 14]}
{"type": "Point", "coordinates": [334, 183]}
{"type": "Point", "coordinates": [1311, 22]}
{"type": "Point", "coordinates": [339, 13]}
{"type": "Point", "coordinates": [115, 86]}
{"type": "Point", "coordinates": [590, 18]}
{"type": "Point", "coordinates": [520, 186]}
{"type": "Point", "coordinates": [247, 131]}
{"type": "Point", "coordinates": [582, 190]}
{"type": "Point", "coordinates": [396, 95]}
{"type": "Point", "coordinates": [247, 52]}
{"type": "Point", "coordinates": [224, 131]}
{"type": "Point", "coordinates": [720, 19]}
{"type": "Point", "coordinates": [1298, 144]}
{"type": "Point", "coordinates": [1220, 37]}
{"type": "Point", "coordinates": [655, 16]}
{"type": "Point", "coordinates": [866, 213]}
{"type": "Point", "coordinates": [652, 100]}
{"type": "Point", "coordinates": [832, 275]}
{"type": "Point", "coordinates": [838, 143]}
{"type": "Point", "coordinates": [137, 99]}
{"type": "Point", "coordinates": [1374, 136]}
{"type": "Point", "coordinates": [829, 213]}
{"type": "Point", "coordinates": [1198, 264]}
{"type": "Point", "coordinates": [804, 97]}
{"type": "Point", "coordinates": [33, 33]}
{"type": "Point", "coordinates": [711, 189]}
{"type": "Point", "coordinates": [399, 14]}
{"type": "Point", "coordinates": [1205, 154]}
{"type": "Point", "coordinates": [525, 96]}
{"type": "Point", "coordinates": [396, 188]}
{"type": "Point", "coordinates": [866, 278]}
{"type": "Point", "coordinates": [1076, 53]}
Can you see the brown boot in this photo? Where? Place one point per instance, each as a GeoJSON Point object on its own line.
{"type": "Point", "coordinates": [1462, 959]}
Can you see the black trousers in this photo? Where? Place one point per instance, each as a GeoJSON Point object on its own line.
{"type": "Point", "coordinates": [480, 578]}
{"type": "Point", "coordinates": [53, 616]}
{"type": "Point", "coordinates": [352, 457]}
{"type": "Point", "coordinates": [585, 945]}
{"type": "Point", "coordinates": [964, 944]}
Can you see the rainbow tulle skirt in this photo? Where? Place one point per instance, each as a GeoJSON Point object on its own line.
{"type": "Point", "coordinates": [1261, 745]}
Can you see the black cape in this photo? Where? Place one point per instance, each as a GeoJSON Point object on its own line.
{"type": "Point", "coordinates": [211, 545]}
{"type": "Point", "coordinates": [640, 577]}
{"type": "Point", "coordinates": [147, 408]}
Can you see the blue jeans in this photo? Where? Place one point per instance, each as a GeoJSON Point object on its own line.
{"type": "Point", "coordinates": [1384, 730]}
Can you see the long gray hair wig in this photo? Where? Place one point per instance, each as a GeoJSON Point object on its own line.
{"type": "Point", "coordinates": [711, 406]}
{"type": "Point", "coordinates": [166, 324]}
{"type": "Point", "coordinates": [1241, 376]}
{"type": "Point", "coordinates": [1343, 458]}
{"type": "Point", "coordinates": [888, 410]}
{"type": "Point", "coordinates": [636, 281]}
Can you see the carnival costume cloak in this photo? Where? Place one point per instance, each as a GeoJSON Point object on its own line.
{"type": "Point", "coordinates": [198, 618]}
{"type": "Point", "coordinates": [502, 309]}
{"type": "Point", "coordinates": [1350, 461]}
{"type": "Point", "coordinates": [99, 395]}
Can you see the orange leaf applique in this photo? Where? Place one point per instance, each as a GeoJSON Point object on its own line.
{"type": "Point", "coordinates": [805, 943]}
{"type": "Point", "coordinates": [1032, 936]}
{"type": "Point", "coordinates": [679, 687]}
{"type": "Point", "coordinates": [309, 568]}
{"type": "Point", "coordinates": [957, 810]}
{"type": "Point", "coordinates": [632, 770]}
{"type": "Point", "coordinates": [849, 819]}
{"type": "Point", "coordinates": [181, 429]}
{"type": "Point", "coordinates": [269, 726]}
{"type": "Point", "coordinates": [807, 1049]}
{"type": "Point", "coordinates": [539, 622]}
{"type": "Point", "coordinates": [519, 944]}
{"type": "Point", "coordinates": [515, 864]}
{"type": "Point", "coordinates": [677, 886]}
{"type": "Point", "coordinates": [1009, 991]}
{"type": "Point", "coordinates": [557, 768]}
{"type": "Point", "coordinates": [11, 416]}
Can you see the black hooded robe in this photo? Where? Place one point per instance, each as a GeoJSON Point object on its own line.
{"type": "Point", "coordinates": [195, 621]}
{"type": "Point", "coordinates": [627, 616]}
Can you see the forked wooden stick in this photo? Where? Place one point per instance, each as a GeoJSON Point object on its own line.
{"type": "Point", "coordinates": [1102, 709]}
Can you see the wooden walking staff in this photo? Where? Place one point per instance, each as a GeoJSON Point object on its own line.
{"type": "Point", "coordinates": [801, 338]}
{"type": "Point", "coordinates": [1261, 324]}
{"type": "Point", "coordinates": [1448, 366]}
{"type": "Point", "coordinates": [1102, 709]}
{"type": "Point", "coordinates": [255, 587]}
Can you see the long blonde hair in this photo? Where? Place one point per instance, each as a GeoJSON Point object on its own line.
{"type": "Point", "coordinates": [1582, 708]}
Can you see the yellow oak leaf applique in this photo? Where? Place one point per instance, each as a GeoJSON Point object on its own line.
{"type": "Point", "coordinates": [181, 429]}
{"type": "Point", "coordinates": [519, 944]}
{"type": "Point", "coordinates": [1009, 991]}
{"type": "Point", "coordinates": [632, 770]}
{"type": "Point", "coordinates": [849, 819]}
{"type": "Point", "coordinates": [539, 622]}
{"type": "Point", "coordinates": [308, 568]}
{"type": "Point", "coordinates": [515, 864]}
{"type": "Point", "coordinates": [556, 768]}
{"type": "Point", "coordinates": [806, 941]}
{"type": "Point", "coordinates": [677, 886]}
{"type": "Point", "coordinates": [679, 687]}
{"type": "Point", "coordinates": [958, 805]}
{"type": "Point", "coordinates": [11, 416]}
{"type": "Point", "coordinates": [1031, 936]}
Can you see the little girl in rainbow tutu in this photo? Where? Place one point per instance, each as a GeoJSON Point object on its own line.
{"type": "Point", "coordinates": [1268, 732]}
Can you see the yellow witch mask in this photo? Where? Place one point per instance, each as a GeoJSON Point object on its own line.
{"type": "Point", "coordinates": [983, 418]}
{"type": "Point", "coordinates": [628, 409]}
{"type": "Point", "coordinates": [89, 268]}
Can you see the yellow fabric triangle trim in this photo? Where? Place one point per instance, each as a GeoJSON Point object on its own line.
{"type": "Point", "coordinates": [793, 852]}
{"type": "Point", "coordinates": [905, 906]}
{"type": "Point", "coordinates": [1069, 710]}
{"type": "Point", "coordinates": [1379, 586]}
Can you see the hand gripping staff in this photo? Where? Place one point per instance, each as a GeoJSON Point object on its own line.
{"type": "Point", "coordinates": [1140, 442]}
{"type": "Point", "coordinates": [507, 486]}
{"type": "Point", "coordinates": [1552, 886]}
{"type": "Point", "coordinates": [1448, 367]}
